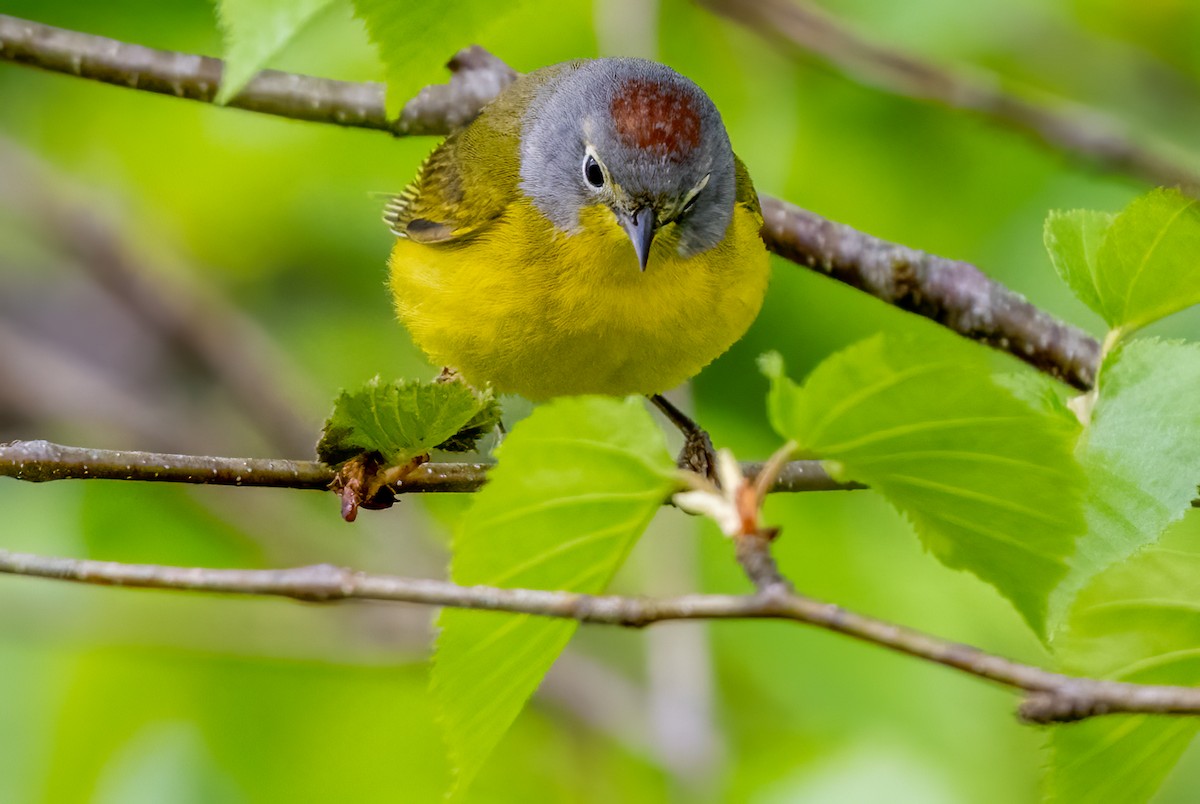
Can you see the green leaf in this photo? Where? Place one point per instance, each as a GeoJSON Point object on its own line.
{"type": "Point", "coordinates": [1141, 453]}
{"type": "Point", "coordinates": [416, 40]}
{"type": "Point", "coordinates": [1140, 622]}
{"type": "Point", "coordinates": [577, 483]}
{"type": "Point", "coordinates": [1149, 264]}
{"type": "Point", "coordinates": [406, 418]}
{"type": "Point", "coordinates": [255, 31]}
{"type": "Point", "coordinates": [1073, 240]}
{"type": "Point", "coordinates": [988, 481]}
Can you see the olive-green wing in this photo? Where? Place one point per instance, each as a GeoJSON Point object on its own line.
{"type": "Point", "coordinates": [472, 177]}
{"type": "Point", "coordinates": [452, 195]}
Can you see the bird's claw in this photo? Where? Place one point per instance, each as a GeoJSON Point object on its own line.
{"type": "Point", "coordinates": [699, 456]}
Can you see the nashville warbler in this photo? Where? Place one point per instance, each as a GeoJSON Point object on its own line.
{"type": "Point", "coordinates": [589, 232]}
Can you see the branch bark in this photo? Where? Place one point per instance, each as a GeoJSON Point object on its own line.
{"type": "Point", "coordinates": [1050, 697]}
{"type": "Point", "coordinates": [953, 293]}
{"type": "Point", "coordinates": [42, 461]}
{"type": "Point", "coordinates": [478, 77]}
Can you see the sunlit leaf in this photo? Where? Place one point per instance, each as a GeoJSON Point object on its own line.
{"type": "Point", "coordinates": [415, 40]}
{"type": "Point", "coordinates": [1149, 264]}
{"type": "Point", "coordinates": [1141, 453]}
{"type": "Point", "coordinates": [1140, 622]}
{"type": "Point", "coordinates": [577, 483]}
{"type": "Point", "coordinates": [1073, 239]}
{"type": "Point", "coordinates": [255, 31]}
{"type": "Point", "coordinates": [988, 481]}
{"type": "Point", "coordinates": [403, 419]}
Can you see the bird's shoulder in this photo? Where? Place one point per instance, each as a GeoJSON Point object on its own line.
{"type": "Point", "coordinates": [745, 194]}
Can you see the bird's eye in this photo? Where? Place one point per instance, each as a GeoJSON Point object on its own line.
{"type": "Point", "coordinates": [593, 172]}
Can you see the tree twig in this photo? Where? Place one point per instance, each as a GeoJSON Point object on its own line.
{"type": "Point", "coordinates": [42, 461]}
{"type": "Point", "coordinates": [753, 552]}
{"type": "Point", "coordinates": [478, 77]}
{"type": "Point", "coordinates": [951, 292]}
{"type": "Point", "coordinates": [1051, 697]}
{"type": "Point", "coordinates": [1080, 132]}
{"type": "Point", "coordinates": [971, 304]}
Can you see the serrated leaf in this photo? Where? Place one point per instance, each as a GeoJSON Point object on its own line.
{"type": "Point", "coordinates": [577, 483]}
{"type": "Point", "coordinates": [1041, 392]}
{"type": "Point", "coordinates": [415, 40]}
{"type": "Point", "coordinates": [1141, 453]}
{"type": "Point", "coordinates": [1138, 621]}
{"type": "Point", "coordinates": [482, 423]}
{"type": "Point", "coordinates": [1073, 240]}
{"type": "Point", "coordinates": [988, 481]}
{"type": "Point", "coordinates": [254, 32]}
{"type": "Point", "coordinates": [1149, 264]}
{"type": "Point", "coordinates": [406, 418]}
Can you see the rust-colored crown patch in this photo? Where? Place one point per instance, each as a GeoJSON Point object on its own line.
{"type": "Point", "coordinates": [648, 114]}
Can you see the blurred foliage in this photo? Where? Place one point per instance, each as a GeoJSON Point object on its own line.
{"type": "Point", "coordinates": [127, 696]}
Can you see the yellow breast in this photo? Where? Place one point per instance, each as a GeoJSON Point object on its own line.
{"type": "Point", "coordinates": [540, 313]}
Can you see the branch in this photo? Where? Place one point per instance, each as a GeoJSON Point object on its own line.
{"type": "Point", "coordinates": [478, 77]}
{"type": "Point", "coordinates": [1051, 697]}
{"type": "Point", "coordinates": [953, 293]}
{"type": "Point", "coordinates": [42, 461]}
{"type": "Point", "coordinates": [1083, 133]}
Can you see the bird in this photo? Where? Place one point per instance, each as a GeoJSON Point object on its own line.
{"type": "Point", "coordinates": [589, 232]}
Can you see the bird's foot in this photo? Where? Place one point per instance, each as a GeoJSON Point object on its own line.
{"type": "Point", "coordinates": [697, 454]}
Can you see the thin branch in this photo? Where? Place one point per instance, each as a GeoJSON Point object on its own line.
{"type": "Point", "coordinates": [970, 304]}
{"type": "Point", "coordinates": [479, 77]}
{"type": "Point", "coordinates": [1052, 697]}
{"type": "Point", "coordinates": [951, 292]}
{"type": "Point", "coordinates": [754, 554]}
{"type": "Point", "coordinates": [42, 461]}
{"type": "Point", "coordinates": [1080, 132]}
{"type": "Point", "coordinates": [752, 546]}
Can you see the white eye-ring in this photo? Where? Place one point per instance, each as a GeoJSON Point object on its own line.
{"type": "Point", "coordinates": [690, 201]}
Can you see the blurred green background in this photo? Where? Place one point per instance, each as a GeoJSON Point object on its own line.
{"type": "Point", "coordinates": [122, 212]}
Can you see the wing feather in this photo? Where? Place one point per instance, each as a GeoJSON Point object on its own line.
{"type": "Point", "coordinates": [471, 178]}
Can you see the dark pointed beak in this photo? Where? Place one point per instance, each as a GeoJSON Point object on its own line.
{"type": "Point", "coordinates": [641, 226]}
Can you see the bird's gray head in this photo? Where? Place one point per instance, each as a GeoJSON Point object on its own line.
{"type": "Point", "coordinates": [637, 138]}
